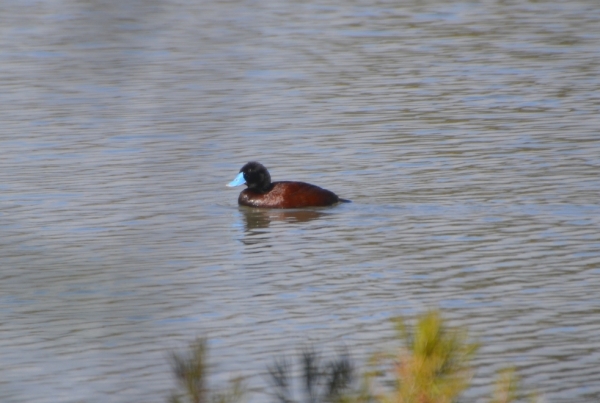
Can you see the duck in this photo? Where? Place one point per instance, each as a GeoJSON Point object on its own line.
{"type": "Point", "coordinates": [263, 193]}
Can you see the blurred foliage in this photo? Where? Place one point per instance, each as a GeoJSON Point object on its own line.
{"type": "Point", "coordinates": [433, 364]}
{"type": "Point", "coordinates": [321, 382]}
{"type": "Point", "coordinates": [191, 373]}
{"type": "Point", "coordinates": [507, 386]}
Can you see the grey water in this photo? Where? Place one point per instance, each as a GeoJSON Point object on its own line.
{"type": "Point", "coordinates": [465, 133]}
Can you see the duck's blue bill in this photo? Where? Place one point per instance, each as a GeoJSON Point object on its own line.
{"type": "Point", "coordinates": [239, 180]}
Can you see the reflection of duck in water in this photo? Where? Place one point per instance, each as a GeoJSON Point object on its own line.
{"type": "Point", "coordinates": [262, 218]}
{"type": "Point", "coordinates": [261, 192]}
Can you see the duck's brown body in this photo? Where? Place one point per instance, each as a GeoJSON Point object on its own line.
{"type": "Point", "coordinates": [288, 195]}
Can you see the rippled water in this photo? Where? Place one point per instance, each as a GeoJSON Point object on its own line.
{"type": "Point", "coordinates": [466, 135]}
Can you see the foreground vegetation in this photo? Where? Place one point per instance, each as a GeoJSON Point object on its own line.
{"type": "Point", "coordinates": [433, 364]}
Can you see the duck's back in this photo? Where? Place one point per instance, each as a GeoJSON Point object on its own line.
{"type": "Point", "coordinates": [289, 195]}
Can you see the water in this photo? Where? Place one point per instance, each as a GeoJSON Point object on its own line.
{"type": "Point", "coordinates": [466, 135]}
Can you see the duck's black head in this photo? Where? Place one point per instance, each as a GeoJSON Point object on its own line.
{"type": "Point", "coordinates": [255, 176]}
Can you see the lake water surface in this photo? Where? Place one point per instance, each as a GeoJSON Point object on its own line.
{"type": "Point", "coordinates": [465, 133]}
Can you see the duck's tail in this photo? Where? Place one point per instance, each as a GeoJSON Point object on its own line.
{"type": "Point", "coordinates": [345, 201]}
